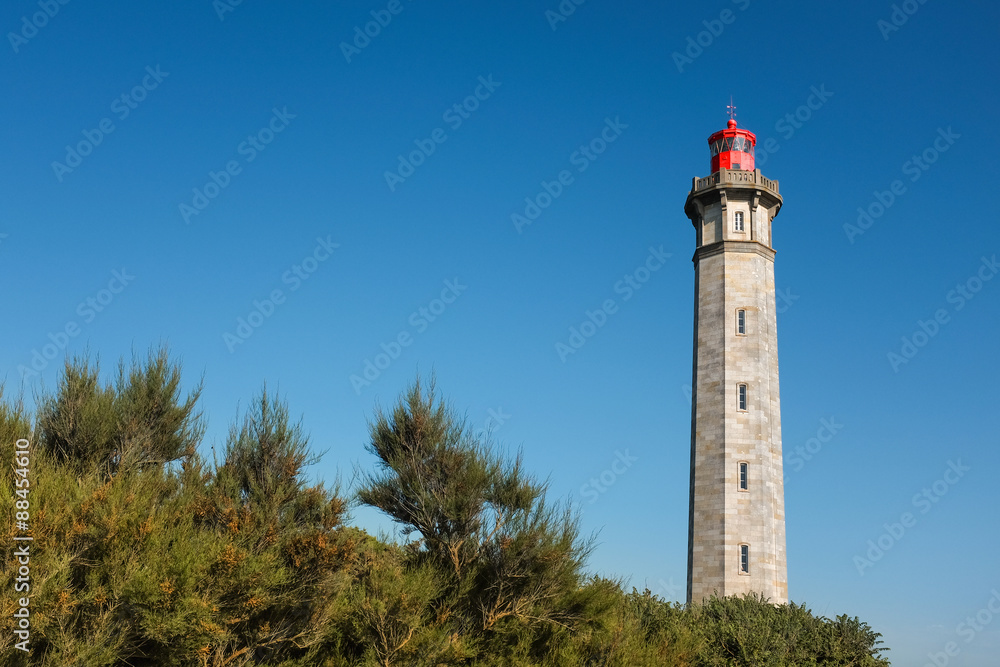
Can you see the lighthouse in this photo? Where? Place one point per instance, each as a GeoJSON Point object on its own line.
{"type": "Point", "coordinates": [736, 523]}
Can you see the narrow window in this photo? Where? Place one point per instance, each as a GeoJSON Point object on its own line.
{"type": "Point", "coordinates": [744, 559]}
{"type": "Point", "coordinates": [744, 476]}
{"type": "Point", "coordinates": [741, 322]}
{"type": "Point", "coordinates": [742, 397]}
{"type": "Point", "coordinates": [738, 221]}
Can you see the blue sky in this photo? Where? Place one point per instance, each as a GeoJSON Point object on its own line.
{"type": "Point", "coordinates": [288, 136]}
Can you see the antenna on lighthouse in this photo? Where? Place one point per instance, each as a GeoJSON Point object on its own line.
{"type": "Point", "coordinates": [731, 109]}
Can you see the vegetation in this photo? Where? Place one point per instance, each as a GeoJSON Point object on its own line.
{"type": "Point", "coordinates": [146, 554]}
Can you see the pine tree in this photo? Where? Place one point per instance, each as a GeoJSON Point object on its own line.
{"type": "Point", "coordinates": [506, 555]}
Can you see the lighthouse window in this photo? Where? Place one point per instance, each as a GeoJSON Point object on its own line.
{"type": "Point", "coordinates": [744, 476]}
{"type": "Point", "coordinates": [741, 322]}
{"type": "Point", "coordinates": [738, 144]}
{"type": "Point", "coordinates": [744, 559]}
{"type": "Point", "coordinates": [741, 397]}
{"type": "Point", "coordinates": [738, 221]}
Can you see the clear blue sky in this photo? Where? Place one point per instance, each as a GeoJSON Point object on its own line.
{"type": "Point", "coordinates": [849, 298]}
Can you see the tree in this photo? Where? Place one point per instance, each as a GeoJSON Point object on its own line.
{"type": "Point", "coordinates": [78, 424]}
{"type": "Point", "coordinates": [154, 424]}
{"type": "Point", "coordinates": [264, 461]}
{"type": "Point", "coordinates": [140, 421]}
{"type": "Point", "coordinates": [284, 561]}
{"type": "Point", "coordinates": [482, 520]}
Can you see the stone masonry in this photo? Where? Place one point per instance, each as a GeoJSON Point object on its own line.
{"type": "Point", "coordinates": [735, 271]}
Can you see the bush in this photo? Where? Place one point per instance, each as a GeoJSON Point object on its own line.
{"type": "Point", "coordinates": [145, 554]}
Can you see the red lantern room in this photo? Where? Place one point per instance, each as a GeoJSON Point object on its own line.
{"type": "Point", "coordinates": [732, 148]}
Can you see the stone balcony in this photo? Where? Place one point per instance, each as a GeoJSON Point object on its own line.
{"type": "Point", "coordinates": [734, 177]}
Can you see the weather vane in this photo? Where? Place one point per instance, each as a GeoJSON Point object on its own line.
{"type": "Point", "coordinates": [731, 109]}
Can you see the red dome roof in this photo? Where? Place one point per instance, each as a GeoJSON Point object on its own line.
{"type": "Point", "coordinates": [732, 148]}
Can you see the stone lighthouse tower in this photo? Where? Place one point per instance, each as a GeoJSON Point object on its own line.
{"type": "Point", "coordinates": [736, 526]}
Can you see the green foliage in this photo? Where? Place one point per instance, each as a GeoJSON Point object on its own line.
{"type": "Point", "coordinates": [434, 479]}
{"type": "Point", "coordinates": [507, 557]}
{"type": "Point", "coordinates": [147, 555]}
{"type": "Point", "coordinates": [15, 424]}
{"type": "Point", "coordinates": [750, 631]}
{"type": "Point", "coordinates": [140, 421]}
{"type": "Point", "coordinates": [154, 424]}
{"type": "Point", "coordinates": [77, 424]}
